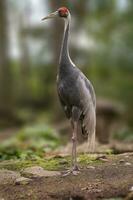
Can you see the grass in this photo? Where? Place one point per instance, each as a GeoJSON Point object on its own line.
{"type": "Point", "coordinates": [55, 163]}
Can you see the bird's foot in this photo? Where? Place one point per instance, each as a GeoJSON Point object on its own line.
{"type": "Point", "coordinates": [74, 171]}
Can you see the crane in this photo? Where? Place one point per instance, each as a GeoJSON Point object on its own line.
{"type": "Point", "coordinates": [76, 93]}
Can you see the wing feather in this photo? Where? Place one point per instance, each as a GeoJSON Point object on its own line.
{"type": "Point", "coordinates": [66, 109]}
{"type": "Point", "coordinates": [88, 119]}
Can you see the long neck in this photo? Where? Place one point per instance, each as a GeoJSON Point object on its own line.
{"type": "Point", "coordinates": [65, 60]}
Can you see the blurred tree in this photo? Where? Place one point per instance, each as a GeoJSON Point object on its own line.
{"type": "Point", "coordinates": [6, 89]}
{"type": "Point", "coordinates": [110, 24]}
{"type": "Point", "coordinates": [25, 62]}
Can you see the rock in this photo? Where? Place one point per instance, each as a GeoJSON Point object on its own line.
{"type": "Point", "coordinates": [129, 196]}
{"type": "Point", "coordinates": [114, 164]}
{"type": "Point", "coordinates": [102, 158]}
{"type": "Point", "coordinates": [121, 161]}
{"type": "Point", "coordinates": [84, 188]}
{"type": "Point", "coordinates": [37, 171]}
{"type": "Point", "coordinates": [8, 176]}
{"type": "Point", "coordinates": [128, 163]}
{"type": "Point", "coordinates": [131, 189]}
{"type": "Point", "coordinates": [22, 181]}
{"type": "Point", "coordinates": [90, 167]}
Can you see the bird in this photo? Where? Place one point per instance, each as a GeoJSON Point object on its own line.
{"type": "Point", "coordinates": [76, 93]}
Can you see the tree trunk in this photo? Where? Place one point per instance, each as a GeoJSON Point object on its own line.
{"type": "Point", "coordinates": [25, 62]}
{"type": "Point", "coordinates": [6, 101]}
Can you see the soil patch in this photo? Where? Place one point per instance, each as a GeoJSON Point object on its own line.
{"type": "Point", "coordinates": [112, 178]}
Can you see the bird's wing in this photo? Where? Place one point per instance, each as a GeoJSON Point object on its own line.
{"type": "Point", "coordinates": [91, 90]}
{"type": "Point", "coordinates": [66, 109]}
{"type": "Point", "coordinates": [88, 119]}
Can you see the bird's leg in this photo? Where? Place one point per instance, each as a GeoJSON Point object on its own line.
{"type": "Point", "coordinates": [74, 121]}
{"type": "Point", "coordinates": [74, 168]}
{"type": "Point", "coordinates": [74, 145]}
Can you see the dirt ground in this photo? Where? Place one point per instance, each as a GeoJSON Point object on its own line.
{"type": "Point", "coordinates": [110, 179]}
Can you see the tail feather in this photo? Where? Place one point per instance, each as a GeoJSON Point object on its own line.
{"type": "Point", "coordinates": [91, 142]}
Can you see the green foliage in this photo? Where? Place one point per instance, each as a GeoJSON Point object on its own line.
{"type": "Point", "coordinates": [31, 142]}
{"type": "Point", "coordinates": [37, 132]}
{"type": "Point", "coordinates": [111, 65]}
{"type": "Point", "coordinates": [124, 135]}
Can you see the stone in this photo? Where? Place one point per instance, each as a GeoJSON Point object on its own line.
{"type": "Point", "coordinates": [102, 158]}
{"type": "Point", "coordinates": [128, 163]}
{"type": "Point", "coordinates": [131, 189]}
{"type": "Point", "coordinates": [129, 196]}
{"type": "Point", "coordinates": [121, 161]}
{"type": "Point", "coordinates": [22, 181]}
{"type": "Point", "coordinates": [8, 176]}
{"type": "Point", "coordinates": [90, 167]}
{"type": "Point", "coordinates": [37, 171]}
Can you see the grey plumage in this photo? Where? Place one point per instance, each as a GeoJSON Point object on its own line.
{"type": "Point", "coordinates": [74, 89]}
{"type": "Point", "coordinates": [75, 92]}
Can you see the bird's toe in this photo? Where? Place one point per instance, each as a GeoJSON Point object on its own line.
{"type": "Point", "coordinates": [74, 171]}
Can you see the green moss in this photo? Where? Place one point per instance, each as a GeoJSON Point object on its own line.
{"type": "Point", "coordinates": [48, 163]}
{"type": "Point", "coordinates": [51, 164]}
{"type": "Point", "coordinates": [15, 165]}
{"type": "Point", "coordinates": [85, 159]}
{"type": "Point", "coordinates": [109, 151]}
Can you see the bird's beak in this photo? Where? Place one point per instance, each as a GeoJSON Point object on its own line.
{"type": "Point", "coordinates": [52, 15]}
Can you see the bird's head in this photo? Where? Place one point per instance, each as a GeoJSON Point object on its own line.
{"type": "Point", "coordinates": [62, 12]}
